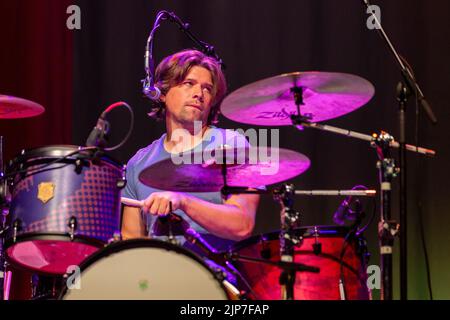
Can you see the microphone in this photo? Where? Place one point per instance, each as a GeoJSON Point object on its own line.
{"type": "Point", "coordinates": [342, 212]}
{"type": "Point", "coordinates": [98, 135]}
{"type": "Point", "coordinates": [150, 91]}
{"type": "Point", "coordinates": [148, 88]}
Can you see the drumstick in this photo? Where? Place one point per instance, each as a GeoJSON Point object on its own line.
{"type": "Point", "coordinates": [132, 203]}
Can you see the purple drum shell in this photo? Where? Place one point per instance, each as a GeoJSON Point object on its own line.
{"type": "Point", "coordinates": [44, 202]}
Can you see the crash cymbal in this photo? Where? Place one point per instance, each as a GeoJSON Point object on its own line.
{"type": "Point", "coordinates": [254, 167]}
{"type": "Point", "coordinates": [270, 102]}
{"type": "Point", "coordinates": [16, 108]}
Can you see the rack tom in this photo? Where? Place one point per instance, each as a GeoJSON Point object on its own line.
{"type": "Point", "coordinates": [65, 205]}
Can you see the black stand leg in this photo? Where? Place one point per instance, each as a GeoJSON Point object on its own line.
{"type": "Point", "coordinates": [402, 94]}
{"type": "Point", "coordinates": [387, 228]}
{"type": "Point", "coordinates": [288, 240]}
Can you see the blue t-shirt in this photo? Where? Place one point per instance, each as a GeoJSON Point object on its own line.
{"type": "Point", "coordinates": [155, 152]}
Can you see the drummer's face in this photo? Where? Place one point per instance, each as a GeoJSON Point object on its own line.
{"type": "Point", "coordinates": [190, 100]}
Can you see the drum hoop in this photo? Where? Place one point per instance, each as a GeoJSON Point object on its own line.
{"type": "Point", "coordinates": [56, 236]}
{"type": "Point", "coordinates": [341, 231]}
{"type": "Point", "coordinates": [53, 236]}
{"type": "Point", "coordinates": [28, 156]}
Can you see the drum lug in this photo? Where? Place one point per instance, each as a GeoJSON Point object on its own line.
{"type": "Point", "coordinates": [362, 250]}
{"type": "Point", "coordinates": [317, 246]}
{"type": "Point", "coordinates": [17, 226]}
{"type": "Point", "coordinates": [22, 171]}
{"type": "Point", "coordinates": [265, 251]}
{"type": "Point", "coordinates": [121, 183]}
{"type": "Point", "coordinates": [73, 227]}
{"type": "Point", "coordinates": [117, 236]}
{"type": "Point", "coordinates": [219, 274]}
{"type": "Point", "coordinates": [78, 166]}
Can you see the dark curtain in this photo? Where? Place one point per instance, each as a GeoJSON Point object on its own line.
{"type": "Point", "coordinates": [36, 64]}
{"type": "Point", "coordinates": [259, 39]}
{"type": "Point", "coordinates": [256, 39]}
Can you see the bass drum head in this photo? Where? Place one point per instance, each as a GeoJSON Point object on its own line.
{"type": "Point", "coordinates": [144, 270]}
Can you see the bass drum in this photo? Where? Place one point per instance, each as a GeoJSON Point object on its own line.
{"type": "Point", "coordinates": [321, 247]}
{"type": "Point", "coordinates": [147, 270]}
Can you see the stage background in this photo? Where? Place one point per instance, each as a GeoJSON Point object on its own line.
{"type": "Point", "coordinates": [76, 74]}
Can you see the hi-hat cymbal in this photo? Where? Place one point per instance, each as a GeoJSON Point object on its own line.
{"type": "Point", "coordinates": [250, 168]}
{"type": "Point", "coordinates": [16, 108]}
{"type": "Point", "coordinates": [270, 102]}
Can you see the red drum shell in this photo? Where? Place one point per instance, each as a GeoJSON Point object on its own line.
{"type": "Point", "coordinates": [264, 279]}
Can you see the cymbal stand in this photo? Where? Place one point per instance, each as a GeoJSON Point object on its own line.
{"type": "Point", "coordinates": [387, 228]}
{"type": "Point", "coordinates": [3, 226]}
{"type": "Point", "coordinates": [288, 239]}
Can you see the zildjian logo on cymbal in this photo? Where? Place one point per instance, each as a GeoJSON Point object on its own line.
{"type": "Point", "coordinates": [283, 114]}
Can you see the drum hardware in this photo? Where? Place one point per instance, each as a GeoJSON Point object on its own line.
{"type": "Point", "coordinates": [383, 142]}
{"type": "Point", "coordinates": [288, 239]}
{"type": "Point", "coordinates": [317, 246]}
{"type": "Point", "coordinates": [196, 239]}
{"type": "Point", "coordinates": [357, 215]}
{"type": "Point", "coordinates": [79, 166]}
{"type": "Point", "coordinates": [170, 225]}
{"type": "Point", "coordinates": [4, 210]}
{"type": "Point", "coordinates": [387, 229]}
{"type": "Point", "coordinates": [409, 83]}
{"type": "Point", "coordinates": [46, 288]}
{"type": "Point", "coordinates": [117, 236]}
{"type": "Point", "coordinates": [284, 265]}
{"type": "Point", "coordinates": [167, 221]}
{"type": "Point", "coordinates": [17, 226]}
{"type": "Point", "coordinates": [6, 281]}
{"type": "Point", "coordinates": [121, 183]}
{"type": "Point", "coordinates": [265, 252]}
{"type": "Point", "coordinates": [72, 227]}
{"type": "Point", "coordinates": [310, 193]}
{"type": "Point", "coordinates": [220, 258]}
{"type": "Point", "coordinates": [148, 86]}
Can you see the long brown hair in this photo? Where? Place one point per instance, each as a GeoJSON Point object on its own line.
{"type": "Point", "coordinates": [173, 70]}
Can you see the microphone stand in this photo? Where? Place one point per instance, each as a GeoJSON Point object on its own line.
{"type": "Point", "coordinates": [205, 47]}
{"type": "Point", "coordinates": [387, 228]}
{"type": "Point", "coordinates": [383, 142]}
{"type": "Point", "coordinates": [288, 239]}
{"type": "Point", "coordinates": [413, 86]}
{"type": "Point", "coordinates": [148, 82]}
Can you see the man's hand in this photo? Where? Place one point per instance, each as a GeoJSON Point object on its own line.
{"type": "Point", "coordinates": [159, 203]}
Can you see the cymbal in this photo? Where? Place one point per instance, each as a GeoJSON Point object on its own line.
{"type": "Point", "coordinates": [16, 108]}
{"type": "Point", "coordinates": [269, 102]}
{"type": "Point", "coordinates": [251, 167]}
